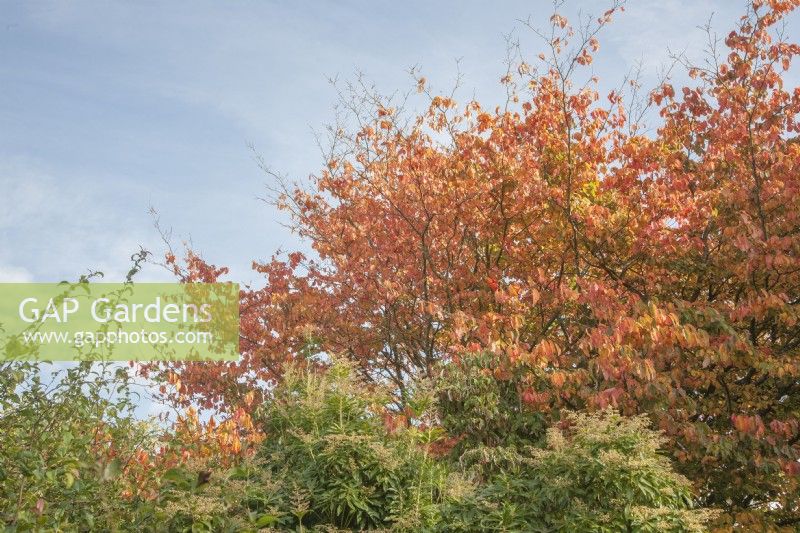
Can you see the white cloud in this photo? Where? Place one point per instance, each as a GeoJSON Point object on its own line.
{"type": "Point", "coordinates": [12, 274]}
{"type": "Point", "coordinates": [131, 104]}
{"type": "Point", "coordinates": [60, 228]}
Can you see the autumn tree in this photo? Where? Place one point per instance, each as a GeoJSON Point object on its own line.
{"type": "Point", "coordinates": [596, 261]}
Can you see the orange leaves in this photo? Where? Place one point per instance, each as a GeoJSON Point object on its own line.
{"type": "Point", "coordinates": [189, 442]}
{"type": "Point", "coordinates": [558, 379]}
{"type": "Point", "coordinates": [559, 21]}
{"type": "Point", "coordinates": [544, 352]}
{"type": "Point", "coordinates": [655, 269]}
{"type": "Point", "coordinates": [249, 398]}
{"type": "Point", "coordinates": [646, 370]}
{"type": "Point", "coordinates": [534, 295]}
{"type": "Point", "coordinates": [751, 425]}
{"type": "Point", "coordinates": [222, 441]}
{"type": "Point", "coordinates": [691, 337]}
{"type": "Point", "coordinates": [584, 58]}
{"type": "Point", "coordinates": [175, 381]}
{"type": "Point", "coordinates": [665, 91]}
{"type": "Point", "coordinates": [442, 102]}
{"type": "Point", "coordinates": [502, 373]}
{"type": "Point", "coordinates": [485, 121]}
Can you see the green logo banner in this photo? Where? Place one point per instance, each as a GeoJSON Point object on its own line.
{"type": "Point", "coordinates": [119, 322]}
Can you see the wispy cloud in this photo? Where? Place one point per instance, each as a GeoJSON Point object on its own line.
{"type": "Point", "coordinates": [54, 228]}
{"type": "Point", "coordinates": [110, 107]}
{"type": "Point", "coordinates": [13, 274]}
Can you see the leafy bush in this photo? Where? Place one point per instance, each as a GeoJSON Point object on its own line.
{"type": "Point", "coordinates": [63, 443]}
{"type": "Point", "coordinates": [337, 463]}
{"type": "Point", "coordinates": [602, 473]}
{"type": "Point", "coordinates": [334, 458]}
{"type": "Point", "coordinates": [328, 463]}
{"type": "Point", "coordinates": [193, 498]}
{"type": "Point", "coordinates": [483, 410]}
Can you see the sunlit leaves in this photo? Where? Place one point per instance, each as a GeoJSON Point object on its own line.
{"type": "Point", "coordinates": [594, 259]}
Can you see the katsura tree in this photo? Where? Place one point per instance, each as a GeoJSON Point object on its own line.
{"type": "Point", "coordinates": [599, 260]}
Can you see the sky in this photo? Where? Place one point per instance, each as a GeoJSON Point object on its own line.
{"type": "Point", "coordinates": [110, 108]}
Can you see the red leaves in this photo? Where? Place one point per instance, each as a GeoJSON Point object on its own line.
{"type": "Point", "coordinates": [791, 468]}
{"type": "Point", "coordinates": [393, 422]}
{"type": "Point", "coordinates": [596, 264]}
{"type": "Point", "coordinates": [750, 425]}
{"type": "Point", "coordinates": [606, 18]}
{"type": "Point", "coordinates": [609, 397]}
{"type": "Point", "coordinates": [536, 400]}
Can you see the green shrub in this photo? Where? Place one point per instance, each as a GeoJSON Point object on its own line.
{"type": "Point", "coordinates": [485, 411]}
{"type": "Point", "coordinates": [58, 468]}
{"type": "Point", "coordinates": [330, 462]}
{"type": "Point", "coordinates": [336, 462]}
{"type": "Point", "coordinates": [602, 474]}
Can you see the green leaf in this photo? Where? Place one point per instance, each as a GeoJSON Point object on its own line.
{"type": "Point", "coordinates": [266, 520]}
{"type": "Point", "coordinates": [111, 470]}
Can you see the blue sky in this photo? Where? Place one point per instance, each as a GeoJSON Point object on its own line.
{"type": "Point", "coordinates": [108, 108]}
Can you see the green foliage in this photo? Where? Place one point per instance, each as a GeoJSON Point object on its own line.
{"type": "Point", "coordinates": [57, 467]}
{"type": "Point", "coordinates": [328, 463]}
{"type": "Point", "coordinates": [334, 459]}
{"type": "Point", "coordinates": [602, 474]}
{"type": "Point", "coordinates": [484, 410]}
{"type": "Point", "coordinates": [243, 498]}
{"type": "Point", "coordinates": [327, 443]}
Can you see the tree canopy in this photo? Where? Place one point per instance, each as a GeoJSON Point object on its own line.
{"type": "Point", "coordinates": [593, 260]}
